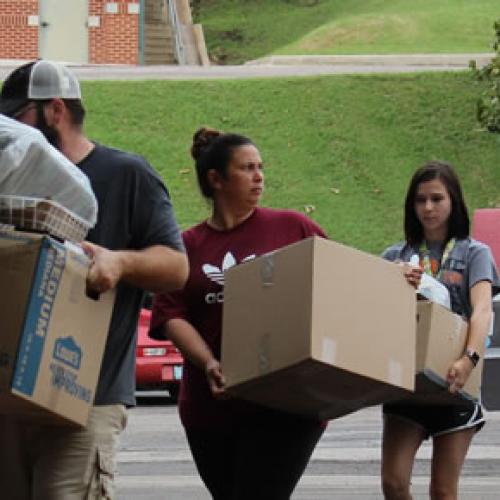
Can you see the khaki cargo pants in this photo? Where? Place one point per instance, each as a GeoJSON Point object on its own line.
{"type": "Point", "coordinates": [45, 462]}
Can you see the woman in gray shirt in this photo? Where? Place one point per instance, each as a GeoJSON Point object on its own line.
{"type": "Point", "coordinates": [437, 230]}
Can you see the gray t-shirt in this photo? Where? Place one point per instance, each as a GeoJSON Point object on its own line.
{"type": "Point", "coordinates": [135, 212]}
{"type": "Point", "coordinates": [468, 263]}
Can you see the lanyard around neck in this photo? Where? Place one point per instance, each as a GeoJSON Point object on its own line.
{"type": "Point", "coordinates": [426, 260]}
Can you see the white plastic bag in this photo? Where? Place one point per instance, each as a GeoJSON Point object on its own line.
{"type": "Point", "coordinates": [434, 290]}
{"type": "Point", "coordinates": [30, 166]}
{"type": "Point", "coordinates": [431, 288]}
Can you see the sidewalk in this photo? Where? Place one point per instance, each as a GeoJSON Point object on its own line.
{"type": "Point", "coordinates": [274, 67]}
{"type": "Point", "coordinates": [448, 60]}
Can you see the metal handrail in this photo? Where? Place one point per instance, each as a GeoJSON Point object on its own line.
{"type": "Point", "coordinates": [176, 28]}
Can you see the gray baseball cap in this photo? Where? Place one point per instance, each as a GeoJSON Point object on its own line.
{"type": "Point", "coordinates": [38, 80]}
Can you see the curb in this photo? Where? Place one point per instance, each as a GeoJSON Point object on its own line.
{"type": "Point", "coordinates": [458, 60]}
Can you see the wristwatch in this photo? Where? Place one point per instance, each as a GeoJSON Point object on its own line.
{"type": "Point", "coordinates": [472, 355]}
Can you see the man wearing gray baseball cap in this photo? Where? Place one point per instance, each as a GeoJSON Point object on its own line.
{"type": "Point", "coordinates": [135, 246]}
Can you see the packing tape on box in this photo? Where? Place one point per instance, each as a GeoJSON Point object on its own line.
{"type": "Point", "coordinates": [267, 270]}
{"type": "Point", "coordinates": [329, 350]}
{"type": "Point", "coordinates": [395, 374]}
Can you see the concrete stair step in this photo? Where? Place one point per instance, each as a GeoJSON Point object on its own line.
{"type": "Point", "coordinates": [157, 28]}
{"type": "Point", "coordinates": [167, 42]}
{"type": "Point", "coordinates": [160, 61]}
{"type": "Point", "coordinates": [155, 47]}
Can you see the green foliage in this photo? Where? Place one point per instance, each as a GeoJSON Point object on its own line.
{"type": "Point", "coordinates": [488, 104]}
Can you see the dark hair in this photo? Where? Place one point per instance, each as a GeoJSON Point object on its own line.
{"type": "Point", "coordinates": [76, 110]}
{"type": "Point", "coordinates": [458, 223]}
{"type": "Point", "coordinates": [74, 106]}
{"type": "Point", "coordinates": [213, 150]}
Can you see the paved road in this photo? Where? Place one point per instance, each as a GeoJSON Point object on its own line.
{"type": "Point", "coordinates": [155, 464]}
{"type": "Point", "coordinates": [276, 66]}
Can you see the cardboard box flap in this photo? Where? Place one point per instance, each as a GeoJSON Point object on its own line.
{"type": "Point", "coordinates": [441, 339]}
{"type": "Point", "coordinates": [269, 347]}
{"type": "Point", "coordinates": [450, 336]}
{"type": "Point", "coordinates": [358, 299]}
{"type": "Point", "coordinates": [15, 283]}
{"type": "Point", "coordinates": [435, 389]}
{"type": "Point", "coordinates": [306, 389]}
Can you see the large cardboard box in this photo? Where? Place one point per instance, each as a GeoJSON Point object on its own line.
{"type": "Point", "coordinates": [318, 329]}
{"type": "Point", "coordinates": [52, 336]}
{"type": "Point", "coordinates": [441, 339]}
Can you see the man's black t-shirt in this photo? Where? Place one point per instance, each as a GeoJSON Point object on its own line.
{"type": "Point", "coordinates": [135, 212]}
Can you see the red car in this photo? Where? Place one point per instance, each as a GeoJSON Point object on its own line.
{"type": "Point", "coordinates": [158, 362]}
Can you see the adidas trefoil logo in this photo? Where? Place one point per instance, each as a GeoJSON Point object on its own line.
{"type": "Point", "coordinates": [217, 274]}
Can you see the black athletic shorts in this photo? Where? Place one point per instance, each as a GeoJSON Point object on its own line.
{"type": "Point", "coordinates": [437, 420]}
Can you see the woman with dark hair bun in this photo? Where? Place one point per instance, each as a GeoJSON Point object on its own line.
{"type": "Point", "coordinates": [242, 450]}
{"type": "Point", "coordinates": [437, 231]}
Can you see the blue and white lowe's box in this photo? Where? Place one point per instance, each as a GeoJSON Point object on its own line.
{"type": "Point", "coordinates": [52, 336]}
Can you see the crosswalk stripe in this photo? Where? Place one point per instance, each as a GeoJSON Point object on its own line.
{"type": "Point", "coordinates": [476, 452]}
{"type": "Point", "coordinates": [309, 481]}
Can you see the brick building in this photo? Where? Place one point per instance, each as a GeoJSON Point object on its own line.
{"type": "Point", "coordinates": [88, 31]}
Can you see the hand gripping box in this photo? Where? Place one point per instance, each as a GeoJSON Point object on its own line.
{"type": "Point", "coordinates": [52, 336]}
{"type": "Point", "coordinates": [318, 329]}
{"type": "Point", "coordinates": [441, 339]}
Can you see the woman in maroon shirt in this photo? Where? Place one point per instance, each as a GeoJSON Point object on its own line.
{"type": "Point", "coordinates": [241, 450]}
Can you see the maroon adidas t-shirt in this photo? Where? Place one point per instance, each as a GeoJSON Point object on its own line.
{"type": "Point", "coordinates": [210, 253]}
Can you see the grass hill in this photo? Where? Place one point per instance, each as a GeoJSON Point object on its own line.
{"type": "Point", "coordinates": [342, 148]}
{"type": "Point", "coordinates": [240, 30]}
